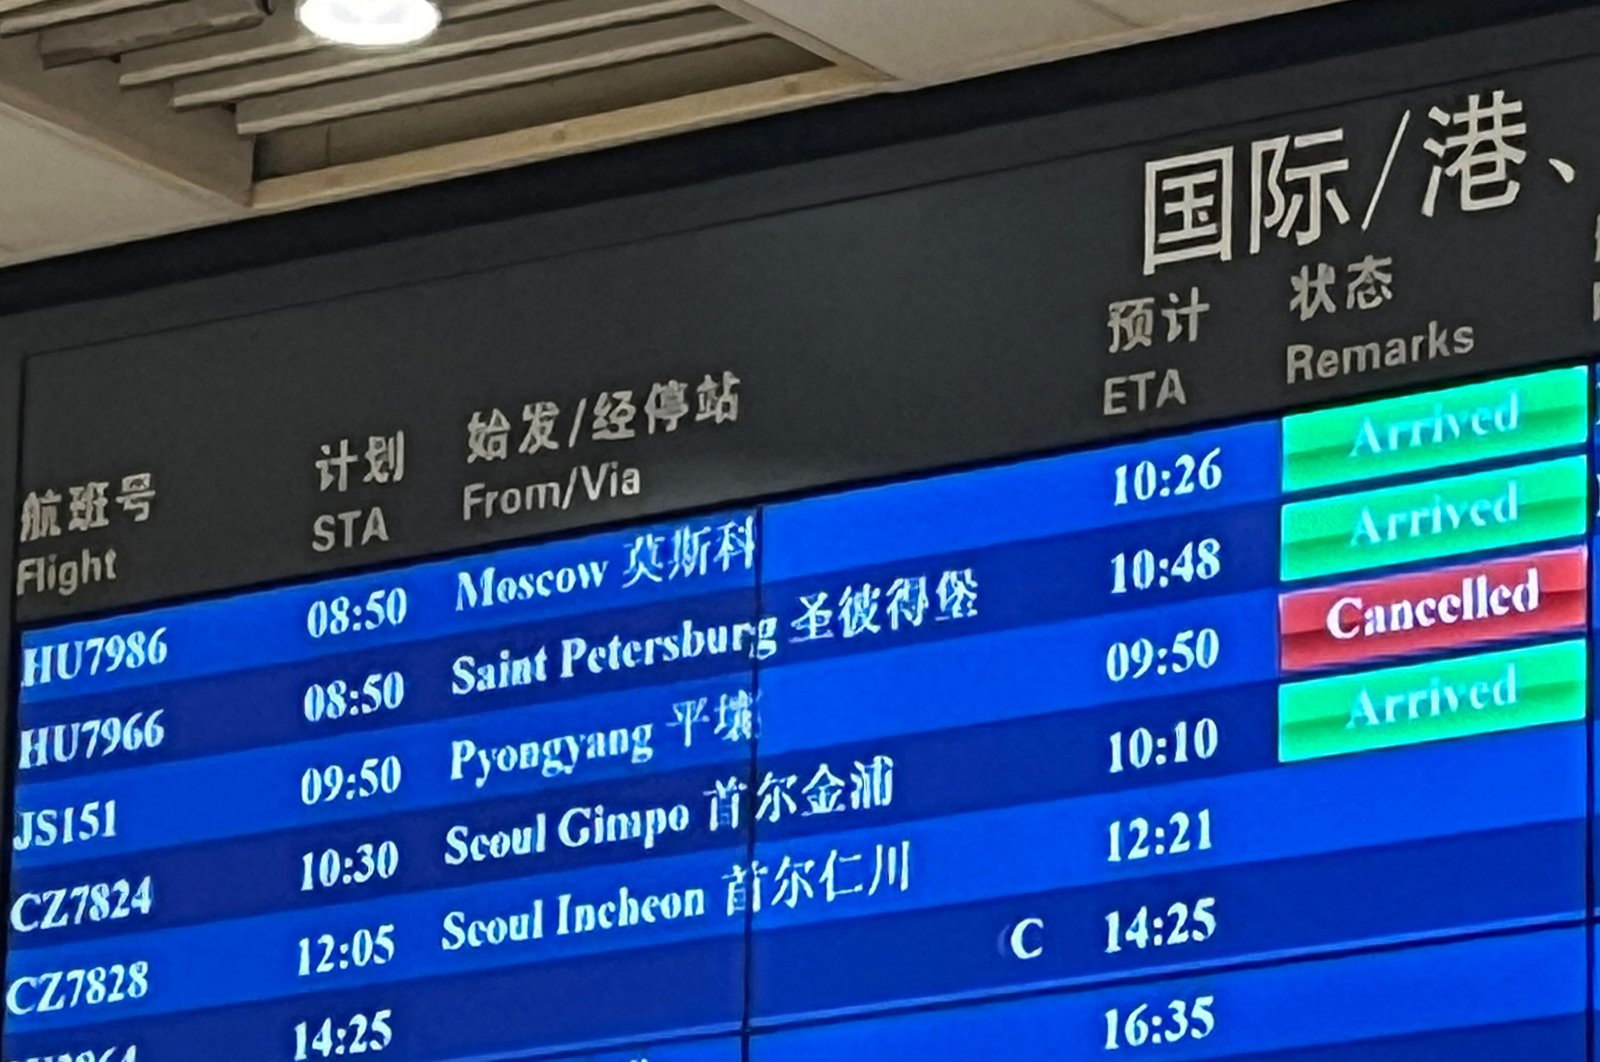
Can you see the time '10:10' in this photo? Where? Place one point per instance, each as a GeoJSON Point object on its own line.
{"type": "Point", "coordinates": [1141, 748]}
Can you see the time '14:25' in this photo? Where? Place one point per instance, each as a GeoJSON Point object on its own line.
{"type": "Point", "coordinates": [358, 1034]}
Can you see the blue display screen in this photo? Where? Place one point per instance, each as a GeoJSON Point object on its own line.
{"type": "Point", "coordinates": [1263, 742]}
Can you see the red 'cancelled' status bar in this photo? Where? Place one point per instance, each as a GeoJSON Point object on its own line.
{"type": "Point", "coordinates": [1467, 604]}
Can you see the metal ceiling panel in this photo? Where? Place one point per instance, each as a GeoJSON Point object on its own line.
{"type": "Point", "coordinates": [457, 38]}
{"type": "Point", "coordinates": [279, 36]}
{"type": "Point", "coordinates": [40, 16]}
{"type": "Point", "coordinates": [8, 6]}
{"type": "Point", "coordinates": [494, 69]}
{"type": "Point", "coordinates": [255, 103]}
{"type": "Point", "coordinates": [549, 105]}
{"type": "Point", "coordinates": [394, 89]}
{"type": "Point", "coordinates": [115, 35]}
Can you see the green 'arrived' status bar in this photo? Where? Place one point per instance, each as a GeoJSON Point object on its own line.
{"type": "Point", "coordinates": [1436, 518]}
{"type": "Point", "coordinates": [1436, 429]}
{"type": "Point", "coordinates": [1459, 697]}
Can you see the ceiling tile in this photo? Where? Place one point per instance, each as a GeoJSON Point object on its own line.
{"type": "Point", "coordinates": [930, 40]}
{"type": "Point", "coordinates": [104, 140]}
{"type": "Point", "coordinates": [57, 195]}
{"type": "Point", "coordinates": [1179, 13]}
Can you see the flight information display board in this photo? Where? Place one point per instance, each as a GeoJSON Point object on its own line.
{"type": "Point", "coordinates": [1084, 588]}
{"type": "Point", "coordinates": [1260, 741]}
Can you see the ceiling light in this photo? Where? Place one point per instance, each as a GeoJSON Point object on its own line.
{"type": "Point", "coordinates": [370, 23]}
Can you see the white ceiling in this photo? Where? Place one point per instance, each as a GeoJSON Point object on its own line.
{"type": "Point", "coordinates": [59, 195]}
{"type": "Point", "coordinates": [86, 162]}
{"type": "Point", "coordinates": [924, 42]}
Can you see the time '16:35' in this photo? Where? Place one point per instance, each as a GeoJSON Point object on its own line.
{"type": "Point", "coordinates": [1152, 1023]}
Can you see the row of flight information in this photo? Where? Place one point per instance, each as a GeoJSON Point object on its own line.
{"type": "Point", "coordinates": [1264, 742]}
